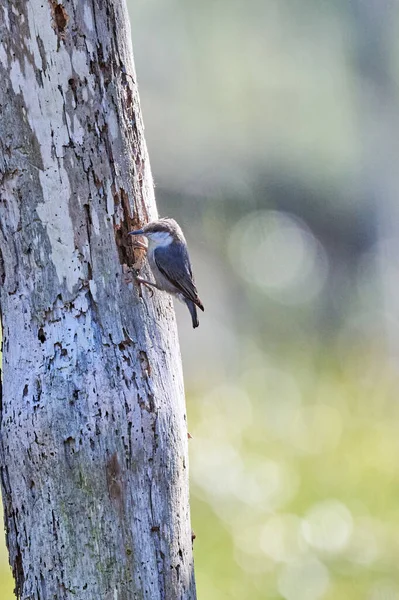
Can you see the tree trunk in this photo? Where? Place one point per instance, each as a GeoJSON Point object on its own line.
{"type": "Point", "coordinates": [93, 432]}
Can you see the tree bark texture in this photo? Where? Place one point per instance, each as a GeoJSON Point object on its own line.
{"type": "Point", "coordinates": [93, 427]}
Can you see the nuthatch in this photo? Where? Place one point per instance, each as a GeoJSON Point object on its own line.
{"type": "Point", "coordinates": [170, 263]}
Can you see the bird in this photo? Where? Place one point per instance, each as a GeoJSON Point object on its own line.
{"type": "Point", "coordinates": [170, 263]}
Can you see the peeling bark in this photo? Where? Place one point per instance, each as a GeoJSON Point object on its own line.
{"type": "Point", "coordinates": [93, 434]}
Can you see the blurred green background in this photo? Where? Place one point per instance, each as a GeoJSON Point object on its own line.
{"type": "Point", "coordinates": [272, 128]}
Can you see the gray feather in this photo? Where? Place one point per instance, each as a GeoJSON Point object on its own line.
{"type": "Point", "coordinates": [193, 312]}
{"type": "Point", "coordinates": [174, 263]}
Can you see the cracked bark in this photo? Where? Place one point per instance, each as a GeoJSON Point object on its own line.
{"type": "Point", "coordinates": [93, 435]}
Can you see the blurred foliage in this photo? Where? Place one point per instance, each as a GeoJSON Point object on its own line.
{"type": "Point", "coordinates": [294, 478]}
{"type": "Point", "coordinates": [270, 132]}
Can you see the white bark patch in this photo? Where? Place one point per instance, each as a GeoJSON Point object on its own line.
{"type": "Point", "coordinates": [78, 131]}
{"type": "Point", "coordinates": [6, 19]}
{"type": "Point", "coordinates": [113, 126]}
{"type": "Point", "coordinates": [88, 17]}
{"type": "Point", "coordinates": [8, 194]}
{"type": "Point", "coordinates": [95, 222]}
{"type": "Point", "coordinates": [93, 289]}
{"type": "Point", "coordinates": [110, 199]}
{"type": "Point", "coordinates": [85, 94]}
{"type": "Point", "coordinates": [79, 64]}
{"type": "Point", "coordinates": [37, 24]}
{"type": "Point", "coordinates": [55, 216]}
{"type": "Point", "coordinates": [148, 187]}
{"type": "Point", "coordinates": [3, 57]}
{"type": "Point", "coordinates": [46, 119]}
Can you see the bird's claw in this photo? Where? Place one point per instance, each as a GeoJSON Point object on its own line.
{"type": "Point", "coordinates": [143, 282]}
{"type": "Point", "coordinates": [149, 288]}
{"type": "Point", "coordinates": [128, 276]}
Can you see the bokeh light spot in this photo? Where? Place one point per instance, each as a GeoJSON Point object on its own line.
{"type": "Point", "coordinates": [306, 579]}
{"type": "Point", "coordinates": [279, 254]}
{"type": "Point", "coordinates": [328, 526]}
{"type": "Point", "coordinates": [280, 538]}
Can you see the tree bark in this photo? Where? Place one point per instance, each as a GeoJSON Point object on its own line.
{"type": "Point", "coordinates": [93, 433]}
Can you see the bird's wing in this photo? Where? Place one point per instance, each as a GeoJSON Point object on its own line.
{"type": "Point", "coordinates": [174, 263]}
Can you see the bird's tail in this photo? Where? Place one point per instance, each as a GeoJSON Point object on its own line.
{"type": "Point", "coordinates": [199, 304]}
{"type": "Point", "coordinates": [193, 312]}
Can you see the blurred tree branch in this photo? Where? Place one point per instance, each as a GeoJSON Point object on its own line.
{"type": "Point", "coordinates": [375, 24]}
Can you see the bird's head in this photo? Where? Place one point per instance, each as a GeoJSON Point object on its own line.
{"type": "Point", "coordinates": [161, 232]}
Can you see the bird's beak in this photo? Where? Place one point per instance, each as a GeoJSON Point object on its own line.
{"type": "Point", "coordinates": [136, 243]}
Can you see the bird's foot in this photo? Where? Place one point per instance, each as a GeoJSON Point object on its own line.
{"type": "Point", "coordinates": [150, 286]}
{"type": "Point", "coordinates": [128, 274]}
